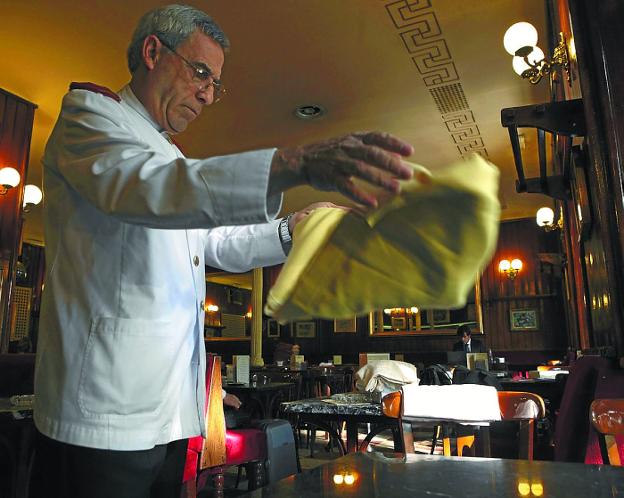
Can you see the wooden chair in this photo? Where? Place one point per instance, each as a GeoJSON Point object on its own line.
{"type": "Point", "coordinates": [526, 408]}
{"type": "Point", "coordinates": [517, 406]}
{"type": "Point", "coordinates": [607, 416]}
{"type": "Point", "coordinates": [208, 458]}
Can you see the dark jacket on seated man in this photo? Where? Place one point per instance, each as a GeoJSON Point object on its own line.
{"type": "Point", "coordinates": [283, 351]}
{"type": "Point", "coordinates": [467, 343]}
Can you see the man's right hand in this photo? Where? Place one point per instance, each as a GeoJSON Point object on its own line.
{"type": "Point", "coordinates": [333, 164]}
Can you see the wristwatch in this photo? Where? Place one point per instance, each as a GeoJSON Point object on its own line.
{"type": "Point", "coordinates": [284, 233]}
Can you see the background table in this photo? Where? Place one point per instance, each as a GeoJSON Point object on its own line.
{"type": "Point", "coordinates": [434, 476]}
{"type": "Point", "coordinates": [261, 397]}
{"type": "Point", "coordinates": [324, 415]}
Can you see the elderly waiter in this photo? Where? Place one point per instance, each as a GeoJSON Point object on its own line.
{"type": "Point", "coordinates": [130, 224]}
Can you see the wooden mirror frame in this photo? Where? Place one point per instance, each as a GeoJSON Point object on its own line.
{"type": "Point", "coordinates": [451, 330]}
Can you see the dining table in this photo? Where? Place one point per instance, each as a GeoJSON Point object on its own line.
{"type": "Point", "coordinates": [352, 409]}
{"type": "Point", "coordinates": [413, 476]}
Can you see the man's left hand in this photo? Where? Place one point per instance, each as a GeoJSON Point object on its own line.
{"type": "Point", "coordinates": [233, 401]}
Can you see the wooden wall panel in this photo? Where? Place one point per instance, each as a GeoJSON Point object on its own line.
{"type": "Point", "coordinates": [537, 286]}
{"type": "Point", "coordinates": [599, 38]}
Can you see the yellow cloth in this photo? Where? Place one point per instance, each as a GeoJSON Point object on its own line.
{"type": "Point", "coordinates": [424, 248]}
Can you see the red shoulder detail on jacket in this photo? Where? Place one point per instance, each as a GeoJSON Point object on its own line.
{"type": "Point", "coordinates": [92, 87]}
{"type": "Point", "coordinates": [174, 142]}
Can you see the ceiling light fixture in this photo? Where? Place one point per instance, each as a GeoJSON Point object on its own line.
{"type": "Point", "coordinates": [309, 111]}
{"type": "Point", "coordinates": [529, 62]}
{"type": "Point", "coordinates": [545, 218]}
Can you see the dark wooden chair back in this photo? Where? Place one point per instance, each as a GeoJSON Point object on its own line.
{"type": "Point", "coordinates": [607, 417]}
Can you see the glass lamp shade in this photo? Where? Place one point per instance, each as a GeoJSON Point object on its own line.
{"type": "Point", "coordinates": [545, 217]}
{"type": "Point", "coordinates": [519, 66]}
{"type": "Point", "coordinates": [519, 35]}
{"type": "Point", "coordinates": [504, 265]}
{"type": "Point", "coordinates": [516, 264]}
{"type": "Point", "coordinates": [9, 177]}
{"type": "Point", "coordinates": [32, 195]}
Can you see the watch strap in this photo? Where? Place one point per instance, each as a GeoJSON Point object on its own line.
{"type": "Point", "coordinates": [284, 233]}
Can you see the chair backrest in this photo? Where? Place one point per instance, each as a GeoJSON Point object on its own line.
{"type": "Point", "coordinates": [213, 451]}
{"type": "Point", "coordinates": [607, 416]}
{"type": "Point", "coordinates": [391, 404]}
{"type": "Point", "coordinates": [572, 424]}
{"type": "Point", "coordinates": [520, 405]}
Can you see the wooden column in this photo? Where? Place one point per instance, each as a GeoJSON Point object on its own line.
{"type": "Point", "coordinates": [16, 120]}
{"type": "Point", "coordinates": [256, 320]}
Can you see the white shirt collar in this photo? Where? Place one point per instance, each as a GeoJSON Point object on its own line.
{"type": "Point", "coordinates": [128, 96]}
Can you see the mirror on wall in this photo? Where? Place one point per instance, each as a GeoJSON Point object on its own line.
{"type": "Point", "coordinates": [228, 306]}
{"type": "Point", "coordinates": [413, 320]}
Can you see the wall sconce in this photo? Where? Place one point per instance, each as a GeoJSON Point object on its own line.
{"type": "Point", "coordinates": [512, 269]}
{"type": "Point", "coordinates": [9, 178]}
{"type": "Point", "coordinates": [32, 197]}
{"type": "Point", "coordinates": [212, 317]}
{"type": "Point", "coordinates": [545, 218]}
{"type": "Point", "coordinates": [520, 40]}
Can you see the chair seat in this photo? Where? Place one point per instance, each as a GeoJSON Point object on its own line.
{"type": "Point", "coordinates": [244, 445]}
{"type": "Point", "coordinates": [241, 446]}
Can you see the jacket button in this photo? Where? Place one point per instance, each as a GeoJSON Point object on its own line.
{"type": "Point", "coordinates": [196, 260]}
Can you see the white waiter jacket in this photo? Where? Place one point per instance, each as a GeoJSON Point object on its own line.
{"type": "Point", "coordinates": [121, 359]}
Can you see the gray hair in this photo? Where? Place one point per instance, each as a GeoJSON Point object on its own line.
{"type": "Point", "coordinates": [172, 24]}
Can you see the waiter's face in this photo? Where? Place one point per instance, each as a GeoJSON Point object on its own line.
{"type": "Point", "coordinates": [179, 94]}
{"type": "Point", "coordinates": [465, 338]}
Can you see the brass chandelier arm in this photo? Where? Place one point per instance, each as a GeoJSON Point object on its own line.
{"type": "Point", "coordinates": [542, 68]}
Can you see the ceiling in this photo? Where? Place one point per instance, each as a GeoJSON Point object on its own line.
{"type": "Point", "coordinates": [431, 71]}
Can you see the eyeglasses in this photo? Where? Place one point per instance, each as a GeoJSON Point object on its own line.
{"type": "Point", "coordinates": [203, 74]}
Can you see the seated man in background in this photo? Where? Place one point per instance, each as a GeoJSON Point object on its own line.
{"type": "Point", "coordinates": [284, 351]}
{"type": "Point", "coordinates": [467, 343]}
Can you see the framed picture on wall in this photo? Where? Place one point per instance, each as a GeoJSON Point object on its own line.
{"type": "Point", "coordinates": [273, 328]}
{"type": "Point", "coordinates": [524, 319]}
{"type": "Point", "coordinates": [438, 316]}
{"type": "Point", "coordinates": [347, 325]}
{"type": "Point", "coordinates": [305, 329]}
{"type": "Point", "coordinates": [398, 323]}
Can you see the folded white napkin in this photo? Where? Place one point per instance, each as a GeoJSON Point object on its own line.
{"type": "Point", "coordinates": [385, 376]}
{"type": "Point", "coordinates": [461, 403]}
{"type": "Point", "coordinates": [526, 409]}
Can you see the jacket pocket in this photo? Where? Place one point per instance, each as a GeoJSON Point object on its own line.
{"type": "Point", "coordinates": [126, 366]}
